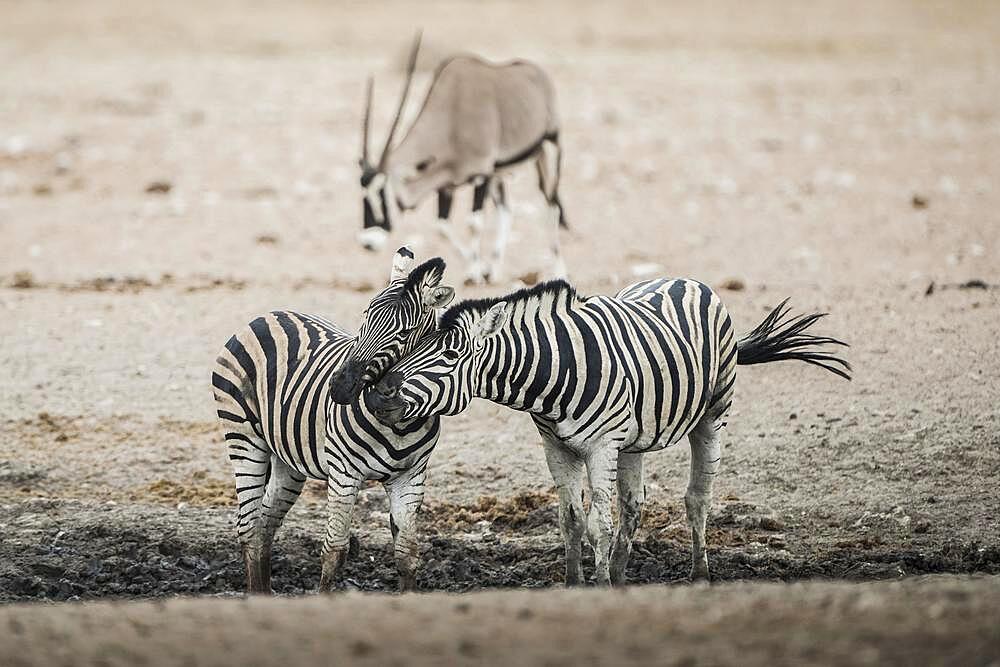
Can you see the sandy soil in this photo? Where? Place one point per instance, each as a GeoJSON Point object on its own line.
{"type": "Point", "coordinates": [839, 154]}
{"type": "Point", "coordinates": [935, 621]}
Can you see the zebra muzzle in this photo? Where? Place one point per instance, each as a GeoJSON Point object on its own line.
{"type": "Point", "coordinates": [388, 406]}
{"type": "Point", "coordinates": [347, 382]}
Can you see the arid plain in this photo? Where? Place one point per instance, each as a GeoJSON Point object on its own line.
{"type": "Point", "coordinates": [169, 171]}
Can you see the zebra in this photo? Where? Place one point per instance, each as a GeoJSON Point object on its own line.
{"type": "Point", "coordinates": [606, 380]}
{"type": "Point", "coordinates": [272, 385]}
{"type": "Point", "coordinates": [478, 121]}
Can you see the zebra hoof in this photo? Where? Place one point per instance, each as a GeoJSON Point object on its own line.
{"type": "Point", "coordinates": [700, 576]}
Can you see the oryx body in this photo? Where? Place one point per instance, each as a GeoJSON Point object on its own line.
{"type": "Point", "coordinates": [479, 120]}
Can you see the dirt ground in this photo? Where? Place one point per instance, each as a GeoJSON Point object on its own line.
{"type": "Point", "coordinates": [170, 170]}
{"type": "Point", "coordinates": [939, 620]}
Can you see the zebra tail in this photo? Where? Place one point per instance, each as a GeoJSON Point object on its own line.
{"type": "Point", "coordinates": [780, 337]}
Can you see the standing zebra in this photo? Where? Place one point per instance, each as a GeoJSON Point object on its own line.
{"type": "Point", "coordinates": [606, 379]}
{"type": "Point", "coordinates": [272, 391]}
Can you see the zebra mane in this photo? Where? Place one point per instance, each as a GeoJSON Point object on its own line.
{"type": "Point", "coordinates": [557, 289]}
{"type": "Point", "coordinates": [417, 275]}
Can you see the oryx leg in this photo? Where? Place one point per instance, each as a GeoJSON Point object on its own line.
{"type": "Point", "coordinates": [602, 472]}
{"type": "Point", "coordinates": [631, 497]}
{"type": "Point", "coordinates": [406, 493]}
{"type": "Point", "coordinates": [494, 270]}
{"type": "Point", "coordinates": [549, 163]}
{"type": "Point", "coordinates": [447, 232]}
{"type": "Point", "coordinates": [567, 473]}
{"type": "Point", "coordinates": [706, 453]}
{"type": "Point", "coordinates": [474, 270]}
{"type": "Point", "coordinates": [341, 494]}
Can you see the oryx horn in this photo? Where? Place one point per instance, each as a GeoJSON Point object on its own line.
{"type": "Point", "coordinates": [411, 66]}
{"type": "Point", "coordinates": [366, 124]}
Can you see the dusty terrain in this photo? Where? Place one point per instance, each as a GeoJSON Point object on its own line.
{"type": "Point", "coordinates": [938, 620]}
{"type": "Point", "coordinates": [169, 171]}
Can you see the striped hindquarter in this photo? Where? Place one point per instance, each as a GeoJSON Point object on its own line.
{"type": "Point", "coordinates": [683, 359]}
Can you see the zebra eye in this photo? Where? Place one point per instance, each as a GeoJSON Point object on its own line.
{"type": "Point", "coordinates": [450, 355]}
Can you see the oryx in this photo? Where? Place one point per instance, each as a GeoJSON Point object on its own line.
{"type": "Point", "coordinates": [478, 120]}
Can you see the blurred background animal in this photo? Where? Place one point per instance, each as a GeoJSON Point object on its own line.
{"type": "Point", "coordinates": [478, 121]}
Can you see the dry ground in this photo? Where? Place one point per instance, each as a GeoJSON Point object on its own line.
{"type": "Point", "coordinates": [938, 620]}
{"type": "Point", "coordinates": [841, 154]}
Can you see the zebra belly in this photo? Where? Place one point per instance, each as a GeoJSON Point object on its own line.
{"type": "Point", "coordinates": [312, 433]}
{"type": "Point", "coordinates": [300, 445]}
{"type": "Point", "coordinates": [359, 443]}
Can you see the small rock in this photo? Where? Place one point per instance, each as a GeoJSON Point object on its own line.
{"type": "Point", "coordinates": [919, 202]}
{"type": "Point", "coordinates": [733, 284]}
{"type": "Point", "coordinates": [267, 239]}
{"type": "Point", "coordinates": [159, 187]}
{"type": "Point", "coordinates": [42, 189]}
{"type": "Point", "coordinates": [771, 523]}
{"type": "Point", "coordinates": [529, 278]}
{"type": "Point", "coordinates": [23, 280]}
{"type": "Point", "coordinates": [646, 269]}
{"type": "Point", "coordinates": [15, 146]}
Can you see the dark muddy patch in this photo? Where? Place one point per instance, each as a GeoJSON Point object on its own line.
{"type": "Point", "coordinates": [53, 550]}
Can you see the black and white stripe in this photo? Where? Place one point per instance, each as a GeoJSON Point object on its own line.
{"type": "Point", "coordinates": [606, 380]}
{"type": "Point", "coordinates": [272, 384]}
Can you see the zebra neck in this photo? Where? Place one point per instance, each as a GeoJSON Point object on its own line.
{"type": "Point", "coordinates": [527, 364]}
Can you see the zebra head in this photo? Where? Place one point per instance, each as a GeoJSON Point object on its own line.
{"type": "Point", "coordinates": [395, 320]}
{"type": "Point", "coordinates": [439, 376]}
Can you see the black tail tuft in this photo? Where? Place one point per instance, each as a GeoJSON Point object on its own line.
{"type": "Point", "coordinates": [780, 337]}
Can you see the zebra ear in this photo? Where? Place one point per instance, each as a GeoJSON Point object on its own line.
{"type": "Point", "coordinates": [401, 263]}
{"type": "Point", "coordinates": [491, 321]}
{"type": "Point", "coordinates": [438, 297]}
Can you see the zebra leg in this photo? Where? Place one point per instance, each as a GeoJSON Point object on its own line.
{"type": "Point", "coordinates": [567, 472]}
{"type": "Point", "coordinates": [474, 270]}
{"type": "Point", "coordinates": [494, 271]}
{"type": "Point", "coordinates": [406, 493]}
{"type": "Point", "coordinates": [284, 485]}
{"type": "Point", "coordinates": [631, 497]}
{"type": "Point", "coordinates": [341, 494]}
{"type": "Point", "coordinates": [706, 453]}
{"type": "Point", "coordinates": [250, 458]}
{"type": "Point", "coordinates": [602, 471]}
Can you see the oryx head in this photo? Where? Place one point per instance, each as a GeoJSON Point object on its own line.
{"type": "Point", "coordinates": [374, 179]}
